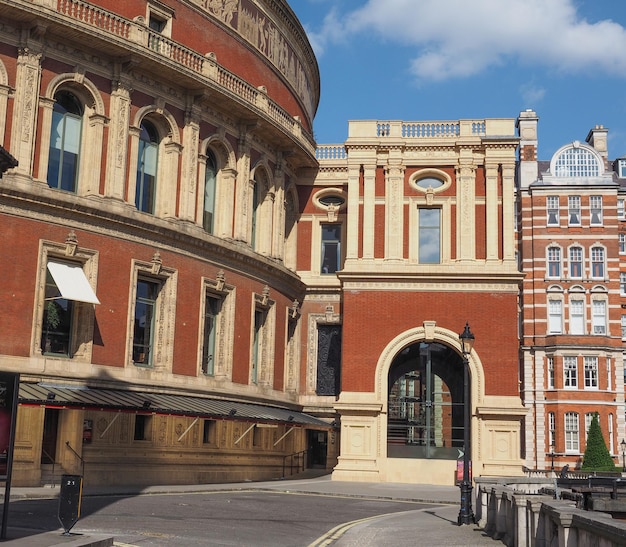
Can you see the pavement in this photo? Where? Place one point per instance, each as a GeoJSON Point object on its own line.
{"type": "Point", "coordinates": [430, 527]}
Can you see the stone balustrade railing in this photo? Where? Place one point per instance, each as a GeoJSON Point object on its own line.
{"type": "Point", "coordinates": [204, 66]}
{"type": "Point", "coordinates": [517, 513]}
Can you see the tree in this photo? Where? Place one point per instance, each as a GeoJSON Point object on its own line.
{"type": "Point", "coordinates": [597, 456]}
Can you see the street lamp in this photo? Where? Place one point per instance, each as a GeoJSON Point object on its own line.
{"type": "Point", "coordinates": [623, 445]}
{"type": "Point", "coordinates": [466, 515]}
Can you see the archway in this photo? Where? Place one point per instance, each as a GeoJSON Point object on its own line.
{"type": "Point", "coordinates": [425, 403]}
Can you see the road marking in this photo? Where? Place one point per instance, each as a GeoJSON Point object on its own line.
{"type": "Point", "coordinates": [340, 530]}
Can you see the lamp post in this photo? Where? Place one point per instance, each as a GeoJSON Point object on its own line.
{"type": "Point", "coordinates": [623, 445]}
{"type": "Point", "coordinates": [466, 515]}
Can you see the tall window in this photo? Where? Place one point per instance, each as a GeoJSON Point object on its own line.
{"type": "Point", "coordinates": [595, 210]}
{"type": "Point", "coordinates": [575, 262]}
{"type": "Point", "coordinates": [145, 313]}
{"type": "Point", "coordinates": [210, 179]}
{"type": "Point", "coordinates": [572, 442]}
{"type": "Point", "coordinates": [554, 261]}
{"type": "Point", "coordinates": [555, 316]}
{"type": "Point", "coordinates": [622, 243]}
{"type": "Point", "coordinates": [147, 159]}
{"type": "Point", "coordinates": [328, 359]}
{"type": "Point", "coordinates": [570, 371]}
{"type": "Point", "coordinates": [552, 205]}
{"type": "Point", "coordinates": [611, 441]}
{"type": "Point", "coordinates": [212, 305]}
{"type": "Point", "coordinates": [588, 420]}
{"type": "Point", "coordinates": [259, 321]}
{"type": "Point", "coordinates": [551, 431]}
{"type": "Point", "coordinates": [591, 372]}
{"type": "Point", "coordinates": [597, 262]}
{"type": "Point", "coordinates": [577, 316]}
{"type": "Point", "coordinates": [622, 283]}
{"type": "Point", "coordinates": [620, 208]}
{"type": "Point", "coordinates": [598, 317]}
{"type": "Point", "coordinates": [331, 248]}
{"type": "Point", "coordinates": [429, 241]}
{"type": "Point", "coordinates": [623, 327]}
{"type": "Point", "coordinates": [573, 203]}
{"type": "Point", "coordinates": [67, 117]}
{"type": "Point", "coordinates": [550, 372]}
{"type": "Point", "coordinates": [57, 321]}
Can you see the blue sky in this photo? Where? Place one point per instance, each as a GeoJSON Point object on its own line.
{"type": "Point", "coordinates": [452, 59]}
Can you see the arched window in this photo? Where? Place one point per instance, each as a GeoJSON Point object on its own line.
{"type": "Point", "coordinates": [210, 180]}
{"type": "Point", "coordinates": [147, 160]}
{"type": "Point", "coordinates": [576, 160]}
{"type": "Point", "coordinates": [67, 119]}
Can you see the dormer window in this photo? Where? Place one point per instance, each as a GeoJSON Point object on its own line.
{"type": "Point", "coordinates": [576, 160]}
{"type": "Point", "coordinates": [620, 167]}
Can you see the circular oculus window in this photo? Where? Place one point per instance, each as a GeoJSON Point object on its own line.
{"type": "Point", "coordinates": [331, 199]}
{"type": "Point", "coordinates": [429, 182]}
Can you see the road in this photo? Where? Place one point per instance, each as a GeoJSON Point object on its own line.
{"type": "Point", "coordinates": [224, 518]}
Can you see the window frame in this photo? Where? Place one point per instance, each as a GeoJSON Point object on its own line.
{"type": "Point", "coordinates": [146, 183]}
{"type": "Point", "coordinates": [597, 257]}
{"type": "Point", "coordinates": [424, 231]}
{"type": "Point", "coordinates": [570, 372]}
{"type": "Point", "coordinates": [591, 372]}
{"type": "Point", "coordinates": [572, 432]}
{"type": "Point", "coordinates": [553, 211]}
{"type": "Point", "coordinates": [595, 211]}
{"type": "Point", "coordinates": [554, 257]}
{"type": "Point", "coordinates": [599, 316]}
{"type": "Point", "coordinates": [575, 263]}
{"type": "Point", "coordinates": [326, 258]}
{"type": "Point", "coordinates": [577, 316]}
{"type": "Point", "coordinates": [573, 211]}
{"type": "Point", "coordinates": [553, 315]}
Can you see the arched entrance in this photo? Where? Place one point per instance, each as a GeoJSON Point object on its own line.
{"type": "Point", "coordinates": [425, 403]}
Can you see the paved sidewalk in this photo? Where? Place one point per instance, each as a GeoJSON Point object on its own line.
{"type": "Point", "coordinates": [429, 527]}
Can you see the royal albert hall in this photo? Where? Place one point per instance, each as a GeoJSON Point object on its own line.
{"type": "Point", "coordinates": [195, 291]}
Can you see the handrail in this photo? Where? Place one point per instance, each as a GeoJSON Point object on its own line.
{"type": "Point", "coordinates": [300, 458]}
{"type": "Point", "coordinates": [82, 462]}
{"type": "Point", "coordinates": [53, 462]}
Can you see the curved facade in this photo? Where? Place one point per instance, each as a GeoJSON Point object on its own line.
{"type": "Point", "coordinates": [149, 238]}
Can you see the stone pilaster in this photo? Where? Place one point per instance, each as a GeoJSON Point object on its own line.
{"type": "Point", "coordinates": [394, 208]}
{"type": "Point", "coordinates": [117, 149]}
{"type": "Point", "coordinates": [191, 185]}
{"type": "Point", "coordinates": [466, 209]}
{"type": "Point", "coordinates": [491, 209]}
{"type": "Point", "coordinates": [369, 175]}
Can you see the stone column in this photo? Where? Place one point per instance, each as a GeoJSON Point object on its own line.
{"type": "Point", "coordinates": [191, 186]}
{"type": "Point", "coordinates": [508, 211]}
{"type": "Point", "coordinates": [167, 186]}
{"type": "Point", "coordinates": [369, 175]}
{"type": "Point", "coordinates": [27, 82]}
{"type": "Point", "coordinates": [91, 156]}
{"type": "Point", "coordinates": [466, 209]}
{"type": "Point", "coordinates": [353, 212]}
{"type": "Point", "coordinates": [278, 243]}
{"type": "Point", "coordinates": [242, 201]}
{"type": "Point", "coordinates": [47, 107]}
{"type": "Point", "coordinates": [225, 201]}
{"type": "Point", "coordinates": [394, 210]}
{"type": "Point", "coordinates": [117, 149]}
{"type": "Point", "coordinates": [492, 224]}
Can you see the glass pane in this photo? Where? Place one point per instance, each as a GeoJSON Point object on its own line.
{"type": "Point", "coordinates": [429, 236]}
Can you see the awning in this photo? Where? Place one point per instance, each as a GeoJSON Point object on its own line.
{"type": "Point", "coordinates": [82, 397]}
{"type": "Point", "coordinates": [72, 282]}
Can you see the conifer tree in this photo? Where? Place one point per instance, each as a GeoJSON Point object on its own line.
{"type": "Point", "coordinates": [597, 456]}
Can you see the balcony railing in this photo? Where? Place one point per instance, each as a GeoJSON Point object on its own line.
{"type": "Point", "coordinates": [203, 65]}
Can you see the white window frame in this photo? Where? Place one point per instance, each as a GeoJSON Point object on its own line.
{"type": "Point", "coordinates": [577, 315]}
{"type": "Point", "coordinates": [572, 433]}
{"type": "Point", "coordinates": [555, 316]}
{"type": "Point", "coordinates": [622, 242]}
{"type": "Point", "coordinates": [588, 420]}
{"type": "Point", "coordinates": [621, 210]}
{"type": "Point", "coordinates": [554, 262]}
{"type": "Point", "coordinates": [597, 261]}
{"type": "Point", "coordinates": [598, 316]}
{"type": "Point", "coordinates": [570, 372]}
{"type": "Point", "coordinates": [553, 212]}
{"type": "Point", "coordinates": [551, 431]}
{"type": "Point", "coordinates": [576, 250]}
{"type": "Point", "coordinates": [573, 211]}
{"type": "Point", "coordinates": [550, 367]}
{"type": "Point", "coordinates": [623, 327]}
{"type": "Point", "coordinates": [590, 367]}
{"type": "Point", "coordinates": [595, 211]}
{"type": "Point", "coordinates": [622, 283]}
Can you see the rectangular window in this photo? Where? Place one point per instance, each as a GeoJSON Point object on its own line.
{"type": "Point", "coordinates": [552, 205]}
{"type": "Point", "coordinates": [555, 317]}
{"type": "Point", "coordinates": [331, 248]}
{"type": "Point", "coordinates": [597, 262]}
{"type": "Point", "coordinates": [623, 327]}
{"type": "Point", "coordinates": [598, 318]}
{"type": "Point", "coordinates": [328, 359]}
{"type": "Point", "coordinates": [550, 372]}
{"type": "Point", "coordinates": [554, 262]}
{"type": "Point", "coordinates": [577, 317]}
{"type": "Point", "coordinates": [621, 169]}
{"type": "Point", "coordinates": [588, 419]}
{"type": "Point", "coordinates": [259, 322]}
{"type": "Point", "coordinates": [620, 207]}
{"type": "Point", "coordinates": [571, 432]}
{"type": "Point", "coordinates": [611, 440]}
{"type": "Point", "coordinates": [429, 240]}
{"type": "Point", "coordinates": [57, 323]}
{"type": "Point", "coordinates": [595, 210]}
{"type": "Point", "coordinates": [551, 431]}
{"type": "Point", "coordinates": [622, 243]}
{"type": "Point", "coordinates": [143, 427]}
{"type": "Point", "coordinates": [622, 283]}
{"type": "Point", "coordinates": [212, 306]}
{"type": "Point", "coordinates": [144, 321]}
{"type": "Point", "coordinates": [575, 262]}
{"type": "Point", "coordinates": [208, 432]}
{"type": "Point", "coordinates": [591, 372]}
{"type": "Point", "coordinates": [573, 204]}
{"type": "Point", "coordinates": [570, 372]}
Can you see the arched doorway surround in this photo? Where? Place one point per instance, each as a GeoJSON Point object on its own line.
{"type": "Point", "coordinates": [495, 434]}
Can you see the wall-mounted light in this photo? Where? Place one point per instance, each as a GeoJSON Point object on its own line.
{"type": "Point", "coordinates": [51, 396]}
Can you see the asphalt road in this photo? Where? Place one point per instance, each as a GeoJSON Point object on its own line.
{"type": "Point", "coordinates": [241, 518]}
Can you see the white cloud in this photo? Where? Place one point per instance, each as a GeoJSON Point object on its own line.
{"type": "Point", "coordinates": [459, 38]}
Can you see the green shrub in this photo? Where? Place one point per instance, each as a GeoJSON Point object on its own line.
{"type": "Point", "coordinates": [597, 456]}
